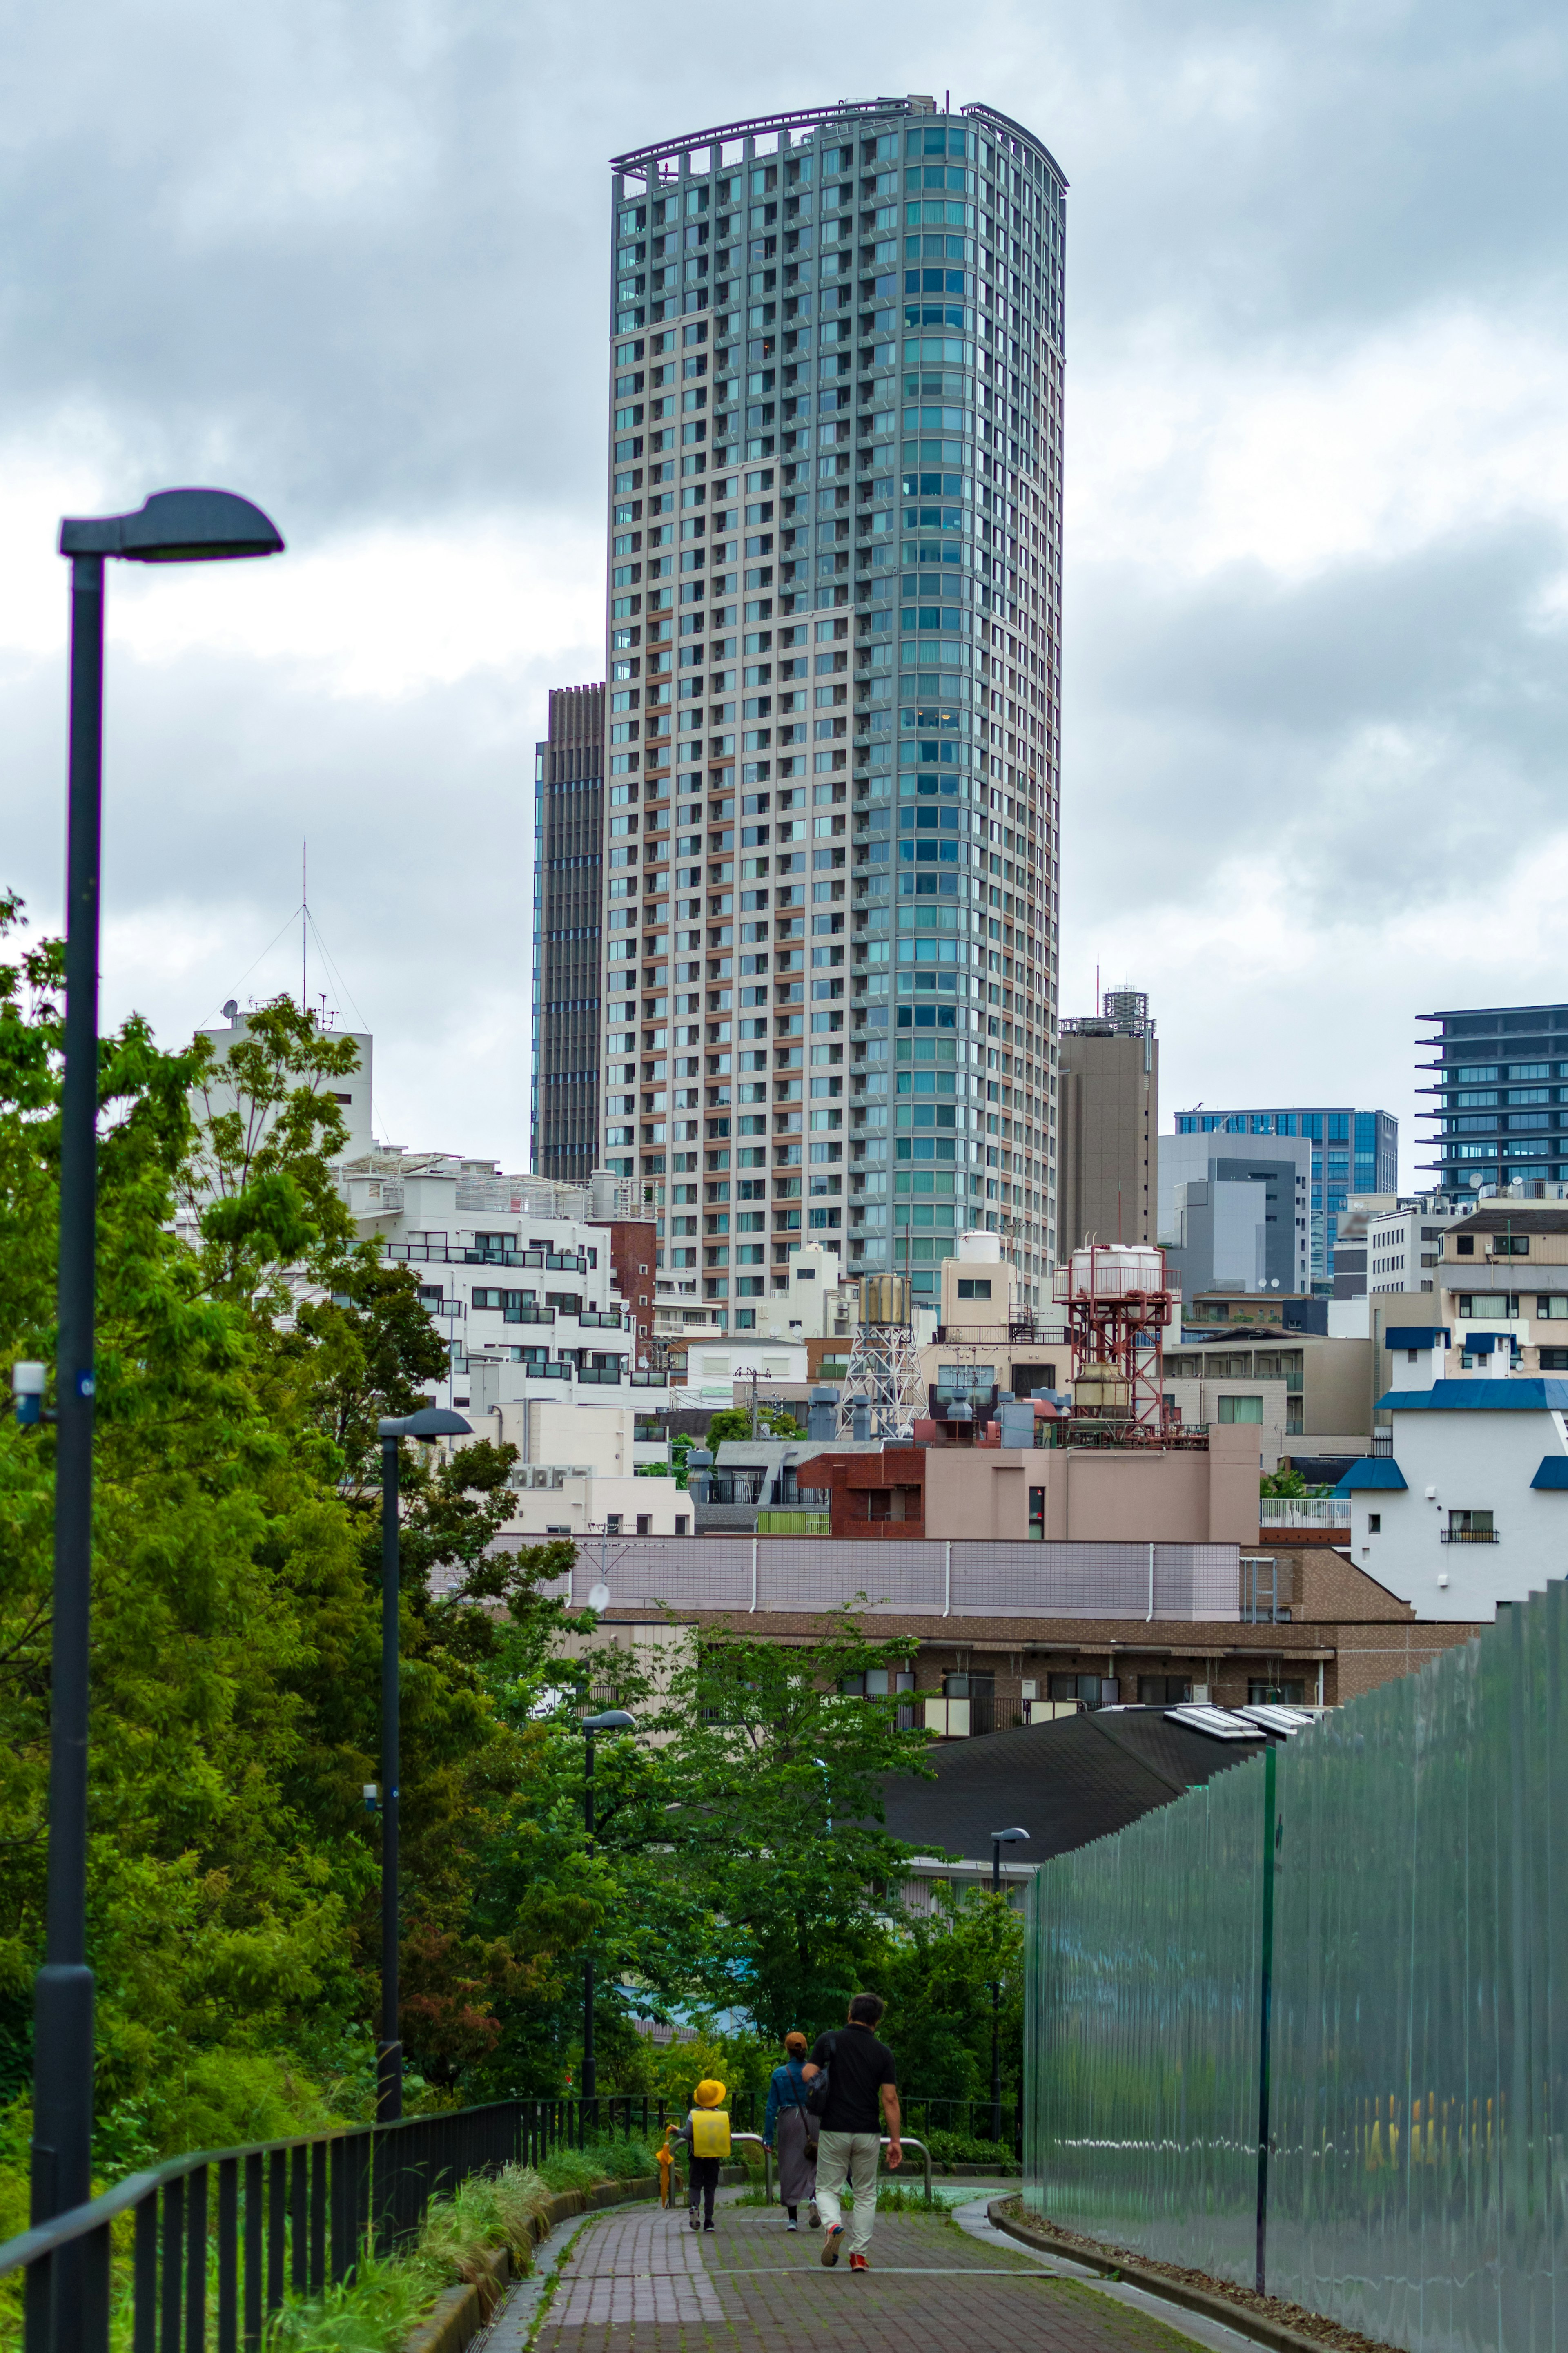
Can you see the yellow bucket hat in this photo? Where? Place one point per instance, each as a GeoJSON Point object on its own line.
{"type": "Point", "coordinates": [708, 2093]}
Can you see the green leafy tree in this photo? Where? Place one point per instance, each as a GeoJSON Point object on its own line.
{"type": "Point", "coordinates": [770, 1821]}
{"type": "Point", "coordinates": [735, 1422]}
{"type": "Point", "coordinates": [247, 1345]}
{"type": "Point", "coordinates": [1288, 1483]}
{"type": "Point", "coordinates": [938, 1977]}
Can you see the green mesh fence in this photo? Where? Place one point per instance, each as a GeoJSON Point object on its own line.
{"type": "Point", "coordinates": [1415, 2182]}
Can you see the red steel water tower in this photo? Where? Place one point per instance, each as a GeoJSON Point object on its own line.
{"type": "Point", "coordinates": [1117, 1305]}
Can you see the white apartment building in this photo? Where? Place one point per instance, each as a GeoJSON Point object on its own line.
{"type": "Point", "coordinates": [510, 1272]}
{"type": "Point", "coordinates": [577, 1472]}
{"type": "Point", "coordinates": [1470, 1506]}
{"type": "Point", "coordinates": [1388, 1241]}
{"type": "Point", "coordinates": [352, 1093]}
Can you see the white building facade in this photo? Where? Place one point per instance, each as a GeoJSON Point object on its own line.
{"type": "Point", "coordinates": [1470, 1508]}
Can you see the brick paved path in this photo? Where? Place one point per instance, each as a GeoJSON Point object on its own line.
{"type": "Point", "coordinates": [644, 2284]}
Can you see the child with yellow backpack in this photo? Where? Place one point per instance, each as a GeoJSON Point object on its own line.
{"type": "Point", "coordinates": [707, 2133]}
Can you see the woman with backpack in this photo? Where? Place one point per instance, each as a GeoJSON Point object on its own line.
{"type": "Point", "coordinates": [791, 2127]}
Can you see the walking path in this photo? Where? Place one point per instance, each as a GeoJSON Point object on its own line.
{"type": "Point", "coordinates": [637, 2281]}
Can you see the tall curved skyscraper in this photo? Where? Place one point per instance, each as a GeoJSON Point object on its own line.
{"type": "Point", "coordinates": [829, 974]}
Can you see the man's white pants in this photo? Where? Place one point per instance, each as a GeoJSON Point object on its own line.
{"type": "Point", "coordinates": [848, 2156]}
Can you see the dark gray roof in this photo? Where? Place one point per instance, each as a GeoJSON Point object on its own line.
{"type": "Point", "coordinates": [1066, 1782]}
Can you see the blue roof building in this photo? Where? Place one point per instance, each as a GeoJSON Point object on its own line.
{"type": "Point", "coordinates": [1470, 1507]}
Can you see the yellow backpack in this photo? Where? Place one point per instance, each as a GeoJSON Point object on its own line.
{"type": "Point", "coordinates": [710, 2132]}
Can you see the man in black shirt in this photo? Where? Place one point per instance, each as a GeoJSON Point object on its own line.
{"type": "Point", "coordinates": [863, 2089]}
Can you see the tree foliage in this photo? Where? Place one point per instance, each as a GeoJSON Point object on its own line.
{"type": "Point", "coordinates": [248, 1344]}
{"type": "Point", "coordinates": [735, 1422]}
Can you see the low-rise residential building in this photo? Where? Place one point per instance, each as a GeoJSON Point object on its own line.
{"type": "Point", "coordinates": [1468, 1505]}
{"type": "Point", "coordinates": [1004, 1634]}
{"type": "Point", "coordinates": [989, 1341]}
{"type": "Point", "coordinates": [1392, 1242]}
{"type": "Point", "coordinates": [577, 1472]}
{"type": "Point", "coordinates": [1306, 1392]}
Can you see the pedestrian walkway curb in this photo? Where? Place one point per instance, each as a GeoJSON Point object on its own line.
{"type": "Point", "coordinates": [1241, 2317]}
{"type": "Point", "coordinates": [459, 2313]}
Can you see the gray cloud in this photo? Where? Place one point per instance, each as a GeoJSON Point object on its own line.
{"type": "Point", "coordinates": [352, 260]}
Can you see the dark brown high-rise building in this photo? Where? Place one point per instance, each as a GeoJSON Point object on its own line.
{"type": "Point", "coordinates": [569, 790]}
{"type": "Point", "coordinates": [1107, 1123]}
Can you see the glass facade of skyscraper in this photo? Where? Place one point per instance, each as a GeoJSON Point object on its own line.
{"type": "Point", "coordinates": [1499, 1084]}
{"type": "Point", "coordinates": [833, 674]}
{"type": "Point", "coordinates": [1352, 1152]}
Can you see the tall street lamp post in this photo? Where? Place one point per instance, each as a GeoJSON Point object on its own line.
{"type": "Point", "coordinates": [430, 1422]}
{"type": "Point", "coordinates": [999, 1839]}
{"type": "Point", "coordinates": [174, 527]}
{"type": "Point", "coordinates": [612, 1719]}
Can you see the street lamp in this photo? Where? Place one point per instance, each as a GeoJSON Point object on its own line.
{"type": "Point", "coordinates": [612, 1719]}
{"type": "Point", "coordinates": [430, 1422]}
{"type": "Point", "coordinates": [174, 527]}
{"type": "Point", "coordinates": [999, 1839]}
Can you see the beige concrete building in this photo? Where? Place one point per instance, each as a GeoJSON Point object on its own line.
{"type": "Point", "coordinates": [1108, 1124]}
{"type": "Point", "coordinates": [1098, 1494]}
{"type": "Point", "coordinates": [1309, 1392]}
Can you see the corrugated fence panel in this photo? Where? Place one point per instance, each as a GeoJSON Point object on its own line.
{"type": "Point", "coordinates": [1418, 2143]}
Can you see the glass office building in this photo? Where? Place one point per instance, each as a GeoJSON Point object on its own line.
{"type": "Point", "coordinates": [1498, 1081]}
{"type": "Point", "coordinates": [1352, 1152]}
{"type": "Point", "coordinates": [833, 671]}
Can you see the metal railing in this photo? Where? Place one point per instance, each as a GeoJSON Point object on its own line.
{"type": "Point", "coordinates": [976, 2120]}
{"type": "Point", "coordinates": [908, 2141]}
{"type": "Point", "coordinates": [288, 2219]}
{"type": "Point", "coordinates": [1304, 1511]}
{"type": "Point", "coordinates": [1468, 1536]}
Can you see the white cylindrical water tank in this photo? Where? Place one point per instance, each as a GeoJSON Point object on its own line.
{"type": "Point", "coordinates": [979, 1247]}
{"type": "Point", "coordinates": [1115, 1271]}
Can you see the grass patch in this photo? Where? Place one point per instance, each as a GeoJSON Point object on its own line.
{"type": "Point", "coordinates": [374, 2311]}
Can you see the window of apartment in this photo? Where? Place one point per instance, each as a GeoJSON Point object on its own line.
{"type": "Point", "coordinates": [878, 1682]}
{"type": "Point", "coordinates": [1510, 1246]}
{"type": "Point", "coordinates": [1553, 1305]}
{"type": "Point", "coordinates": [1163, 1690]}
{"type": "Point", "coordinates": [612, 1524]}
{"type": "Point", "coordinates": [1090, 1690]}
{"type": "Point", "coordinates": [973, 1287]}
{"type": "Point", "coordinates": [1278, 1694]}
{"type": "Point", "coordinates": [1374, 1524]}
{"type": "Point", "coordinates": [1240, 1409]}
{"type": "Point", "coordinates": [1465, 1244]}
{"type": "Point", "coordinates": [1483, 1306]}
{"type": "Point", "coordinates": [682, 1523]}
{"type": "Point", "coordinates": [1470, 1527]}
{"type": "Point", "coordinates": [1554, 1360]}
{"type": "Point", "coordinates": [645, 1523]}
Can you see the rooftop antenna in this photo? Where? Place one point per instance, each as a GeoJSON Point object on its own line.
{"type": "Point", "coordinates": [304, 919]}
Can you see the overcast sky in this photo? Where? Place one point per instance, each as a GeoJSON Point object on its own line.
{"type": "Point", "coordinates": [349, 260]}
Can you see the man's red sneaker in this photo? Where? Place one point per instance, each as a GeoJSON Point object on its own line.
{"type": "Point", "coordinates": [857, 2264]}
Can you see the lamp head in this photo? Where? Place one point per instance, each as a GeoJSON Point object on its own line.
{"type": "Point", "coordinates": [177, 527]}
{"type": "Point", "coordinates": [431, 1421]}
{"type": "Point", "coordinates": [614, 1719]}
{"type": "Point", "coordinates": [1007, 1837]}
